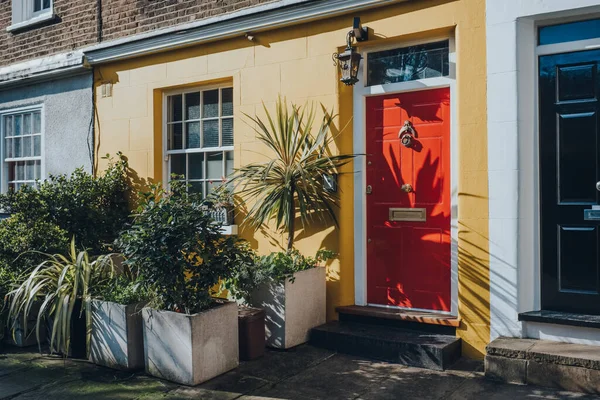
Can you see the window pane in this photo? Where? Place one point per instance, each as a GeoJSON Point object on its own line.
{"type": "Point", "coordinates": [18, 129]}
{"type": "Point", "coordinates": [19, 171]}
{"type": "Point", "coordinates": [227, 102]}
{"type": "Point", "coordinates": [27, 146]}
{"type": "Point", "coordinates": [196, 165]}
{"type": "Point", "coordinates": [210, 100]}
{"type": "Point", "coordinates": [192, 135]}
{"type": "Point", "coordinates": [177, 164]}
{"type": "Point", "coordinates": [18, 148]}
{"type": "Point", "coordinates": [37, 5]}
{"type": "Point", "coordinates": [27, 124]}
{"type": "Point", "coordinates": [175, 139]}
{"type": "Point", "coordinates": [30, 171]}
{"type": "Point", "coordinates": [569, 32]}
{"type": "Point", "coordinates": [192, 106]}
{"type": "Point", "coordinates": [210, 133]}
{"type": "Point", "coordinates": [175, 108]}
{"type": "Point", "coordinates": [38, 170]}
{"type": "Point", "coordinates": [227, 132]}
{"type": "Point", "coordinates": [9, 148]}
{"type": "Point", "coordinates": [37, 122]}
{"type": "Point", "coordinates": [409, 63]}
{"type": "Point", "coordinates": [37, 145]}
{"type": "Point", "coordinates": [46, 4]}
{"type": "Point", "coordinates": [8, 126]}
{"type": "Point", "coordinates": [196, 187]}
{"type": "Point", "coordinates": [229, 163]}
{"type": "Point", "coordinates": [214, 165]}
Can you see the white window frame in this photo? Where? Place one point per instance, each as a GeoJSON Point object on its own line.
{"type": "Point", "coordinates": [24, 16]}
{"type": "Point", "coordinates": [41, 157]}
{"type": "Point", "coordinates": [167, 153]}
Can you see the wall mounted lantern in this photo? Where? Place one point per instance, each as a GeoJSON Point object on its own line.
{"type": "Point", "coordinates": [349, 60]}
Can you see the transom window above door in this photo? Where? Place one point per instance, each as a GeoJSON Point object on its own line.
{"type": "Point", "coordinates": [429, 60]}
{"type": "Point", "coordinates": [199, 136]}
{"type": "Point", "coordinates": [569, 32]}
{"type": "Point", "coordinates": [21, 149]}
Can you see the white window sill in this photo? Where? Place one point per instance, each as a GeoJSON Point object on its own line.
{"type": "Point", "coordinates": [229, 229]}
{"type": "Point", "coordinates": [39, 19]}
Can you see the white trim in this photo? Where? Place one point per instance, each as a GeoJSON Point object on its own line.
{"type": "Point", "coordinates": [449, 313]}
{"type": "Point", "coordinates": [359, 147]}
{"type": "Point", "coordinates": [19, 110]}
{"type": "Point", "coordinates": [38, 18]}
{"type": "Point", "coordinates": [567, 47]}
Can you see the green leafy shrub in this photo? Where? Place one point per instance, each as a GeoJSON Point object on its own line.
{"type": "Point", "coordinates": [93, 209]}
{"type": "Point", "coordinates": [179, 249]}
{"type": "Point", "coordinates": [124, 291]}
{"type": "Point", "coordinates": [275, 267]}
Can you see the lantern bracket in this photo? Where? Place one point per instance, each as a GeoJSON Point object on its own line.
{"type": "Point", "coordinates": [361, 33]}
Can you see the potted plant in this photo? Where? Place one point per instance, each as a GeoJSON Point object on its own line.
{"type": "Point", "coordinates": [65, 285]}
{"type": "Point", "coordinates": [220, 203]}
{"type": "Point", "coordinates": [189, 335]}
{"type": "Point", "coordinates": [291, 185]}
{"type": "Point", "coordinates": [117, 335]}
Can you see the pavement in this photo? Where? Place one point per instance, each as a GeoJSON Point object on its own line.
{"type": "Point", "coordinates": [303, 373]}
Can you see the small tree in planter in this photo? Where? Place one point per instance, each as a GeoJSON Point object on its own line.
{"type": "Point", "coordinates": [189, 336]}
{"type": "Point", "coordinates": [291, 185]}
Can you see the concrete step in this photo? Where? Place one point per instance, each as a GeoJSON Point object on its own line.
{"type": "Point", "coordinates": [414, 320]}
{"type": "Point", "coordinates": [566, 366]}
{"type": "Point", "coordinates": [402, 346]}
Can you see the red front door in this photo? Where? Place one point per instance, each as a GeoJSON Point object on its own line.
{"type": "Point", "coordinates": [408, 227]}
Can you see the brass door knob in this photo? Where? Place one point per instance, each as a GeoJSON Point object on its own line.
{"type": "Point", "coordinates": [407, 188]}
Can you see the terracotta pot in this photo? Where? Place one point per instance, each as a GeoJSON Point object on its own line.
{"type": "Point", "coordinates": [251, 329]}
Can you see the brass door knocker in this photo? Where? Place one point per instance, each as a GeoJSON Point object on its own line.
{"type": "Point", "coordinates": [407, 134]}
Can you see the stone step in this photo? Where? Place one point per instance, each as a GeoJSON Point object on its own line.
{"type": "Point", "coordinates": [414, 320]}
{"type": "Point", "coordinates": [573, 367]}
{"type": "Point", "coordinates": [402, 346]}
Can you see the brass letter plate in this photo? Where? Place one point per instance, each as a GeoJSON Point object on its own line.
{"type": "Point", "coordinates": [408, 214]}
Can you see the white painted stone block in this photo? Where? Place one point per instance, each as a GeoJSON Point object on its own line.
{"type": "Point", "coordinates": [117, 339]}
{"type": "Point", "coordinates": [292, 309]}
{"type": "Point", "coordinates": [191, 349]}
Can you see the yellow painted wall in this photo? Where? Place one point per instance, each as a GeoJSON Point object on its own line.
{"type": "Point", "coordinates": [296, 63]}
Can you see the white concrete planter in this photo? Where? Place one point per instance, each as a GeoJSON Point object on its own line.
{"type": "Point", "coordinates": [191, 349]}
{"type": "Point", "coordinates": [292, 309]}
{"type": "Point", "coordinates": [117, 338]}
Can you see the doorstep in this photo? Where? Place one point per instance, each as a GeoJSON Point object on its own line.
{"type": "Point", "coordinates": [561, 318]}
{"type": "Point", "coordinates": [414, 320]}
{"type": "Point", "coordinates": [566, 366]}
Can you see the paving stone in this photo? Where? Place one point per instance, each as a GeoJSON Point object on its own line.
{"type": "Point", "coordinates": [511, 370]}
{"type": "Point", "coordinates": [579, 355]}
{"type": "Point", "coordinates": [30, 379]}
{"type": "Point", "coordinates": [480, 388]}
{"type": "Point", "coordinates": [133, 388]}
{"type": "Point", "coordinates": [564, 377]}
{"type": "Point", "coordinates": [280, 364]}
{"type": "Point", "coordinates": [234, 382]}
{"type": "Point", "coordinates": [352, 377]}
{"type": "Point", "coordinates": [510, 347]}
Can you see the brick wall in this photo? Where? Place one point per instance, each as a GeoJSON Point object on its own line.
{"type": "Point", "coordinates": [76, 25]}
{"type": "Point", "coordinates": [128, 17]}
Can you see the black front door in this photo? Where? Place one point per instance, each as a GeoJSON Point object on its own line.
{"type": "Point", "coordinates": [569, 170]}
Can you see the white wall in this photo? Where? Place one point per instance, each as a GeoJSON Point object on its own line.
{"type": "Point", "coordinates": [512, 159]}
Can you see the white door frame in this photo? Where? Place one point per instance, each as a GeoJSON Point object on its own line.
{"type": "Point", "coordinates": [361, 92]}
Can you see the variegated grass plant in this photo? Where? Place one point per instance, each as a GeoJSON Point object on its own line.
{"type": "Point", "coordinates": [59, 282]}
{"type": "Point", "coordinates": [291, 183]}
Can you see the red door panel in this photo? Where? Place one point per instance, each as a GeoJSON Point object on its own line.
{"type": "Point", "coordinates": [408, 263]}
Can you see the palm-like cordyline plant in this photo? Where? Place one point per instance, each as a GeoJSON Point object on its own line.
{"type": "Point", "coordinates": [60, 282]}
{"type": "Point", "coordinates": [291, 183]}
